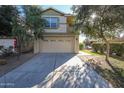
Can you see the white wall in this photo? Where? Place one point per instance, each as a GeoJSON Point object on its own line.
{"type": "Point", "coordinates": [7, 42]}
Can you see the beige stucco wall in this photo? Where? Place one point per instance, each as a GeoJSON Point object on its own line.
{"type": "Point", "coordinates": [36, 46]}
{"type": "Point", "coordinates": [76, 44]}
{"type": "Point", "coordinates": [62, 28]}
{"type": "Point", "coordinates": [51, 12]}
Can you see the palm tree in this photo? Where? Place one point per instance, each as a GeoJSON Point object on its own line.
{"type": "Point", "coordinates": [34, 21]}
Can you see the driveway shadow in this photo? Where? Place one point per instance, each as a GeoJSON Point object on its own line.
{"type": "Point", "coordinates": [37, 70]}
{"type": "Point", "coordinates": [79, 77]}
{"type": "Point", "coordinates": [53, 70]}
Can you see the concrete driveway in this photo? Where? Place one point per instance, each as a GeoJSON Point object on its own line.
{"type": "Point", "coordinates": [53, 70]}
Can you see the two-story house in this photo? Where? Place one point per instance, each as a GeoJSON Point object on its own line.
{"type": "Point", "coordinates": [58, 34]}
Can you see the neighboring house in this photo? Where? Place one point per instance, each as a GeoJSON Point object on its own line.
{"type": "Point", "coordinates": [58, 35]}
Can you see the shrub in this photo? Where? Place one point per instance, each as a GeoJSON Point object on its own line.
{"type": "Point", "coordinates": [117, 48]}
{"type": "Point", "coordinates": [98, 47]}
{"type": "Point", "coordinates": [81, 46]}
{"type": "Point", "coordinates": [95, 47]}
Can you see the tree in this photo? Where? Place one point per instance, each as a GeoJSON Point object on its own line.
{"type": "Point", "coordinates": [34, 21]}
{"type": "Point", "coordinates": [27, 24]}
{"type": "Point", "coordinates": [100, 22]}
{"type": "Point", "coordinates": [18, 30]}
{"type": "Point", "coordinates": [6, 14]}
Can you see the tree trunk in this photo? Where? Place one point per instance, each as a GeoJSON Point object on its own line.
{"type": "Point", "coordinates": [107, 48]}
{"type": "Point", "coordinates": [19, 47]}
{"type": "Point", "coordinates": [107, 54]}
{"type": "Point", "coordinates": [107, 51]}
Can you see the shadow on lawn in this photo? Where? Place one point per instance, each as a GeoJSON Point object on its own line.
{"type": "Point", "coordinates": [117, 79]}
{"type": "Point", "coordinates": [118, 58]}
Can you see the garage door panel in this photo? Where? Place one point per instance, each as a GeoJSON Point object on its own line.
{"type": "Point", "coordinates": [57, 45]}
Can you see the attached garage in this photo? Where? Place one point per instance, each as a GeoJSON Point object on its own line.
{"type": "Point", "coordinates": [56, 44]}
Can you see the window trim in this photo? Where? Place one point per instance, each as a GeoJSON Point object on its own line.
{"type": "Point", "coordinates": [50, 23]}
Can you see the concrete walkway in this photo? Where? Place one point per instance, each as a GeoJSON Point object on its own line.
{"type": "Point", "coordinates": [56, 71]}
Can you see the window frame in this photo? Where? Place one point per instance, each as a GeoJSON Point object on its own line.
{"type": "Point", "coordinates": [57, 24]}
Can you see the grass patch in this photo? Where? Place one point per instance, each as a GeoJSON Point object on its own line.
{"type": "Point", "coordinates": [91, 52]}
{"type": "Point", "coordinates": [116, 79]}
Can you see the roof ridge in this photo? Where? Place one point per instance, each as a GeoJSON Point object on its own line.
{"type": "Point", "coordinates": [54, 10]}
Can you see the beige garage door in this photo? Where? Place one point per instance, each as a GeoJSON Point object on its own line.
{"type": "Point", "coordinates": [57, 45]}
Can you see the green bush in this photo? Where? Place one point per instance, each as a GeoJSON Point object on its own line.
{"type": "Point", "coordinates": [81, 46]}
{"type": "Point", "coordinates": [117, 48]}
{"type": "Point", "coordinates": [98, 47]}
{"type": "Point", "coordinates": [95, 47]}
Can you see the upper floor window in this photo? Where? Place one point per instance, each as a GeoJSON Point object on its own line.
{"type": "Point", "coordinates": [51, 22]}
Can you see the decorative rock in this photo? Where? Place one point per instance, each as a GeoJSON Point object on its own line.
{"type": "Point", "coordinates": [3, 61]}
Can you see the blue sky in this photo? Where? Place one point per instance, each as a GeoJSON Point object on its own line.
{"type": "Point", "coordinates": [63, 8]}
